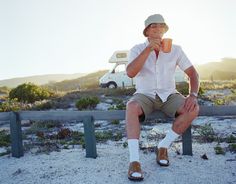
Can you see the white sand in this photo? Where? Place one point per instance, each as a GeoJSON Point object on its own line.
{"type": "Point", "coordinates": [71, 166]}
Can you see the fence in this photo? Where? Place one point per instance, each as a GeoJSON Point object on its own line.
{"type": "Point", "coordinates": [88, 118]}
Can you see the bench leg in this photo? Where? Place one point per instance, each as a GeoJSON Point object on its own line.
{"type": "Point", "coordinates": [16, 136]}
{"type": "Point", "coordinates": [90, 140]}
{"type": "Point", "coordinates": [187, 142]}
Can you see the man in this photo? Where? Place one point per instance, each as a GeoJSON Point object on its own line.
{"type": "Point", "coordinates": [154, 71]}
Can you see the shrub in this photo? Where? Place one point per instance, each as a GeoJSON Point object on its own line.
{"type": "Point", "coordinates": [87, 103]}
{"type": "Point", "coordinates": [219, 101]}
{"type": "Point", "coordinates": [232, 148]}
{"type": "Point", "coordinates": [43, 106]}
{"type": "Point", "coordinates": [12, 105]}
{"type": "Point", "coordinates": [231, 139]}
{"type": "Point", "coordinates": [5, 139]}
{"type": "Point", "coordinates": [219, 150]}
{"type": "Point", "coordinates": [207, 133]}
{"type": "Point", "coordinates": [29, 93]}
{"type": "Point", "coordinates": [115, 122]}
{"type": "Point", "coordinates": [183, 88]}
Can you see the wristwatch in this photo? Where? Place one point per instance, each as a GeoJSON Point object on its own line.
{"type": "Point", "coordinates": [194, 94]}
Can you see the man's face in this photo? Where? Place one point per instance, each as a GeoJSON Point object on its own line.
{"type": "Point", "coordinates": [156, 30]}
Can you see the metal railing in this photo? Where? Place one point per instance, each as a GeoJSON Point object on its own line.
{"type": "Point", "coordinates": [88, 118]}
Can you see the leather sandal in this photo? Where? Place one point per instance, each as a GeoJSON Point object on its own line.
{"type": "Point", "coordinates": [162, 154]}
{"type": "Point", "coordinates": [135, 167]}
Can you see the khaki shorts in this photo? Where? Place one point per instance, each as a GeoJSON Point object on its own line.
{"type": "Point", "coordinates": [148, 104]}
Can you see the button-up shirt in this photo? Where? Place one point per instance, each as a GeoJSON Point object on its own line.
{"type": "Point", "coordinates": [157, 76]}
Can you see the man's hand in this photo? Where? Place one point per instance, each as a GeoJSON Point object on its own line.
{"type": "Point", "coordinates": [155, 44]}
{"type": "Point", "coordinates": [190, 103]}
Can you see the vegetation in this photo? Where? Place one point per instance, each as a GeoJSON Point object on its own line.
{"type": "Point", "coordinates": [207, 133]}
{"type": "Point", "coordinates": [12, 105]}
{"type": "Point", "coordinates": [219, 150]}
{"type": "Point", "coordinates": [29, 93]}
{"type": "Point", "coordinates": [87, 103]}
{"type": "Point", "coordinates": [108, 135]}
{"type": "Point", "coordinates": [5, 139]}
{"type": "Point", "coordinates": [119, 105]}
{"type": "Point", "coordinates": [232, 148]}
{"type": "Point", "coordinates": [4, 90]}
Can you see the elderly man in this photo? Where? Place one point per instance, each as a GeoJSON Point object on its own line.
{"type": "Point", "coordinates": [154, 71]}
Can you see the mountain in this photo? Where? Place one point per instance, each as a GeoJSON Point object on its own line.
{"type": "Point", "coordinates": [223, 70]}
{"type": "Point", "coordinates": [39, 79]}
{"type": "Point", "coordinates": [88, 81]}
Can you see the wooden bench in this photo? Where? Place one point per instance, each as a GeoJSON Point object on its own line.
{"type": "Point", "coordinates": [88, 118]}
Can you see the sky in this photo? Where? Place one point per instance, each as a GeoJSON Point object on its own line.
{"type": "Point", "coordinates": [79, 36]}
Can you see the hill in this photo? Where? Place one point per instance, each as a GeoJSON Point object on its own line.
{"type": "Point", "coordinates": [88, 81]}
{"type": "Point", "coordinates": [39, 79]}
{"type": "Point", "coordinates": [224, 70]}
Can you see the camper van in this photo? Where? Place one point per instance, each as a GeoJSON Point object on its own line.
{"type": "Point", "coordinates": [117, 76]}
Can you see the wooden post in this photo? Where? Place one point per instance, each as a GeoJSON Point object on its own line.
{"type": "Point", "coordinates": [16, 136]}
{"type": "Point", "coordinates": [187, 142]}
{"type": "Point", "coordinates": [90, 139]}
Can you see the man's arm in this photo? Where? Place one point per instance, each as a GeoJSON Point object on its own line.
{"type": "Point", "coordinates": [193, 79]}
{"type": "Point", "coordinates": [136, 65]}
{"type": "Point", "coordinates": [191, 100]}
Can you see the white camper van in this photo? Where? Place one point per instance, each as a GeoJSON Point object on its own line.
{"type": "Point", "coordinates": [117, 76]}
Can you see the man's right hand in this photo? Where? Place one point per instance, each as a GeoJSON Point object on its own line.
{"type": "Point", "coordinates": [155, 44]}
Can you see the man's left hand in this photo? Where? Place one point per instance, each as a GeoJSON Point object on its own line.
{"type": "Point", "coordinates": [190, 103]}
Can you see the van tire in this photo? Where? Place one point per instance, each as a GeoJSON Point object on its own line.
{"type": "Point", "coordinates": [112, 85]}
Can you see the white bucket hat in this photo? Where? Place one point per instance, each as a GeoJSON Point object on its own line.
{"type": "Point", "coordinates": [156, 18]}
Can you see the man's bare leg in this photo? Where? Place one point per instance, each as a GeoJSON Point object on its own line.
{"type": "Point", "coordinates": [180, 125]}
{"type": "Point", "coordinates": [133, 111]}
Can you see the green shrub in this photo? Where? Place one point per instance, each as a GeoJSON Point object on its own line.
{"type": "Point", "coordinates": [219, 101]}
{"type": "Point", "coordinates": [44, 106]}
{"type": "Point", "coordinates": [87, 103]}
{"type": "Point", "coordinates": [183, 88]}
{"type": "Point", "coordinates": [5, 139]}
{"type": "Point", "coordinates": [207, 133]}
{"type": "Point", "coordinates": [29, 93]}
{"type": "Point", "coordinates": [232, 148]}
{"type": "Point", "coordinates": [115, 122]}
{"type": "Point", "coordinates": [12, 105]}
{"type": "Point", "coordinates": [231, 139]}
{"type": "Point", "coordinates": [219, 150]}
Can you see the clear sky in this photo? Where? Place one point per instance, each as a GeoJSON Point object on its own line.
{"type": "Point", "coordinates": [79, 36]}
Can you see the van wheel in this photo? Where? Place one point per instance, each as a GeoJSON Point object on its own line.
{"type": "Point", "coordinates": [112, 85]}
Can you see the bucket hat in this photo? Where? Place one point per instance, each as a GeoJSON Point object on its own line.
{"type": "Point", "coordinates": [156, 18]}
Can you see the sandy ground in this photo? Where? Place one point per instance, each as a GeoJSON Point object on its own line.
{"type": "Point", "coordinates": [71, 166]}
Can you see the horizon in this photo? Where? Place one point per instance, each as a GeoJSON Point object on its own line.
{"type": "Point", "coordinates": [38, 75]}
{"type": "Point", "coordinates": [59, 37]}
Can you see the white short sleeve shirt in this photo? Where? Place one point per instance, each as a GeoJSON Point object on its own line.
{"type": "Point", "coordinates": [157, 77]}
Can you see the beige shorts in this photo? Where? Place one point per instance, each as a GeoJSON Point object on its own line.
{"type": "Point", "coordinates": [148, 104]}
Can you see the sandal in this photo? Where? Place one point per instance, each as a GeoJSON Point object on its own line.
{"type": "Point", "coordinates": [135, 167]}
{"type": "Point", "coordinates": [162, 154]}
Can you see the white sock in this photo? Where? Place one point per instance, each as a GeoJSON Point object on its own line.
{"type": "Point", "coordinates": [133, 145]}
{"type": "Point", "coordinates": [169, 138]}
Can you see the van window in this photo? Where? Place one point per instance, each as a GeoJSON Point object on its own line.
{"type": "Point", "coordinates": [120, 68]}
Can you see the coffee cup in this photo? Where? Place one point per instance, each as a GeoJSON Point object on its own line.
{"type": "Point", "coordinates": [166, 45]}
